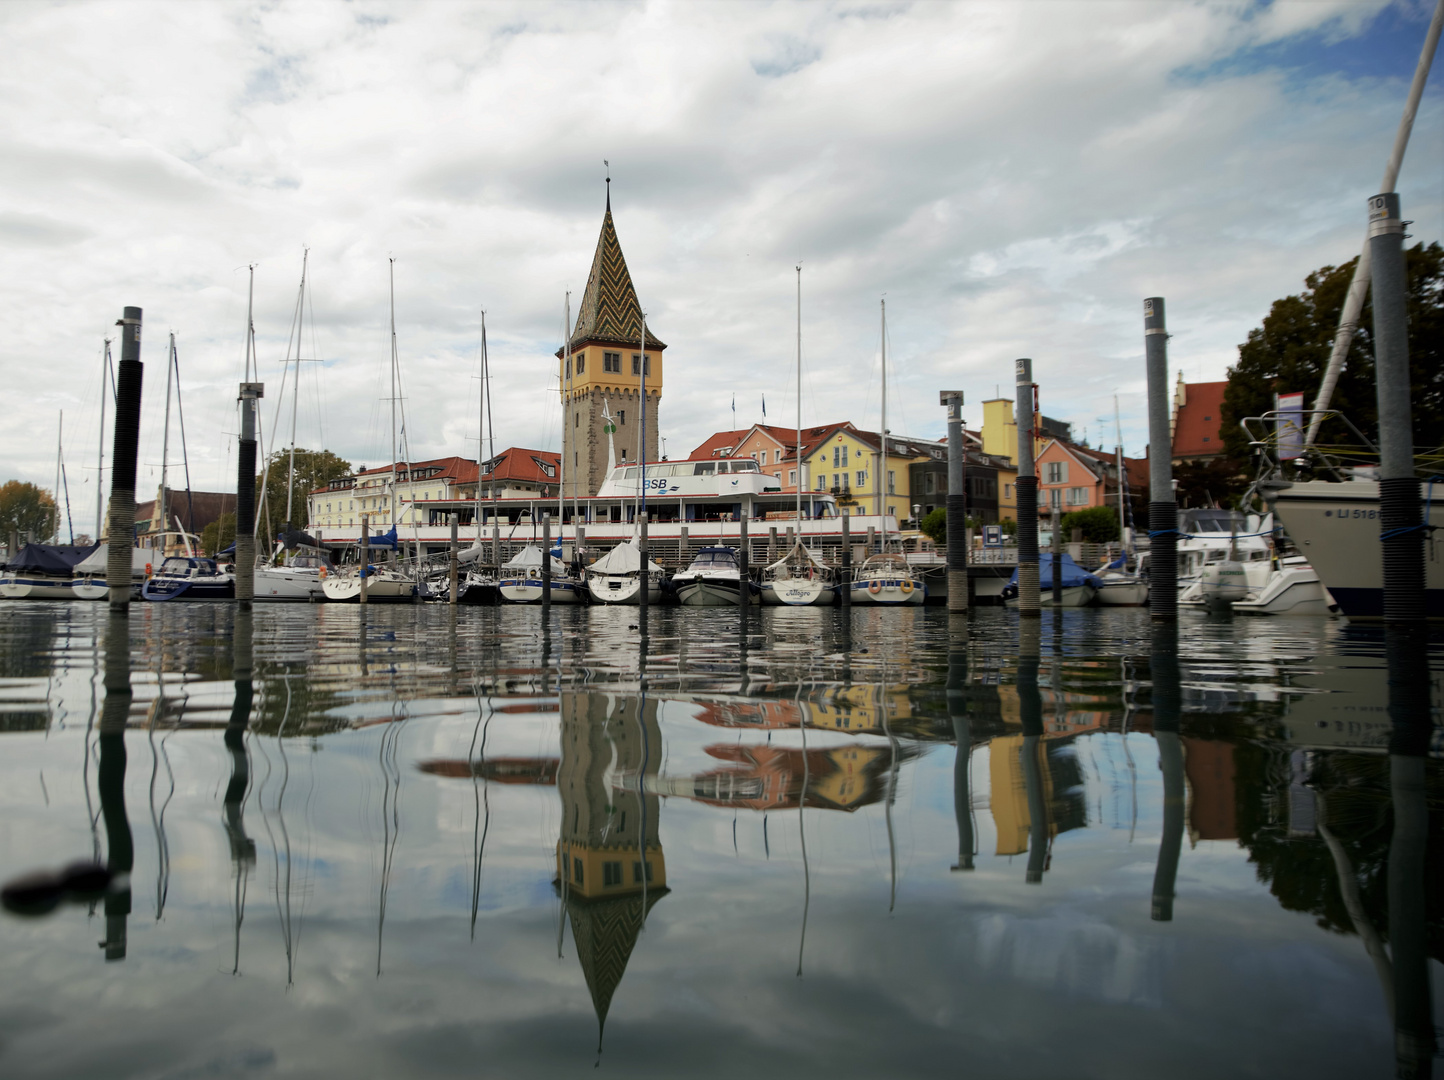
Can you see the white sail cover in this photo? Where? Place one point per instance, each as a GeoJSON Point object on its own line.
{"type": "Point", "coordinates": [530, 556]}
{"type": "Point", "coordinates": [811, 556]}
{"type": "Point", "coordinates": [625, 558]}
{"type": "Point", "coordinates": [93, 565]}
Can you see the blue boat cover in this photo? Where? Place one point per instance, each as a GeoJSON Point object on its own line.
{"type": "Point", "coordinates": [1071, 573]}
{"type": "Point", "coordinates": [49, 558]}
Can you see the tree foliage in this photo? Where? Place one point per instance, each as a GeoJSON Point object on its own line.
{"type": "Point", "coordinates": [25, 508]}
{"type": "Point", "coordinates": [314, 469]}
{"type": "Point", "coordinates": [935, 525]}
{"type": "Point", "coordinates": [218, 534]}
{"type": "Point", "coordinates": [1290, 351]}
{"type": "Point", "coordinates": [1099, 524]}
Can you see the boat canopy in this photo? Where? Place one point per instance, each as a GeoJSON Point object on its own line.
{"type": "Point", "coordinates": [1071, 573]}
{"type": "Point", "coordinates": [94, 564]}
{"type": "Point", "coordinates": [531, 556]}
{"type": "Point", "coordinates": [50, 558]}
{"type": "Point", "coordinates": [715, 556]}
{"type": "Point", "coordinates": [625, 558]}
{"type": "Point", "coordinates": [806, 553]}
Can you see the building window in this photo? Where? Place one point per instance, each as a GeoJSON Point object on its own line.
{"type": "Point", "coordinates": [836, 456]}
{"type": "Point", "coordinates": [637, 872]}
{"type": "Point", "coordinates": [577, 870]}
{"type": "Point", "coordinates": [1205, 438]}
{"type": "Point", "coordinates": [891, 482]}
{"type": "Point", "coordinates": [1077, 496]}
{"type": "Point", "coordinates": [792, 476]}
{"type": "Point", "coordinates": [612, 361]}
{"type": "Point", "coordinates": [822, 483]}
{"type": "Point", "coordinates": [861, 477]}
{"type": "Point", "coordinates": [581, 359]}
{"type": "Point", "coordinates": [611, 873]}
{"type": "Point", "coordinates": [622, 417]}
{"type": "Point", "coordinates": [577, 422]}
{"type": "Point", "coordinates": [569, 369]}
{"type": "Point", "coordinates": [1055, 496]}
{"type": "Point", "coordinates": [638, 366]}
{"type": "Point", "coordinates": [1057, 472]}
{"type": "Point", "coordinates": [928, 483]}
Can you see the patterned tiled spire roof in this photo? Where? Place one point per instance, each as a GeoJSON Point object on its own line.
{"type": "Point", "coordinates": [610, 311]}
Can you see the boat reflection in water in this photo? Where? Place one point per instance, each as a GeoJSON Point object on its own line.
{"type": "Point", "coordinates": [453, 775]}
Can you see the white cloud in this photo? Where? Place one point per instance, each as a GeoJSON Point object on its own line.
{"type": "Point", "coordinates": [1015, 177]}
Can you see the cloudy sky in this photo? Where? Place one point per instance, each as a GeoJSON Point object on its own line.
{"type": "Point", "coordinates": [1013, 178]}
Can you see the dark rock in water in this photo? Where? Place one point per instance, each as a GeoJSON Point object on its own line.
{"type": "Point", "coordinates": [36, 893]}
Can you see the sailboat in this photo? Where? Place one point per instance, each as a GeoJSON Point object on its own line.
{"type": "Point", "coordinates": [299, 574]}
{"type": "Point", "coordinates": [384, 584]}
{"type": "Point", "coordinates": [886, 578]}
{"type": "Point", "coordinates": [618, 576]}
{"type": "Point", "coordinates": [800, 577]}
{"type": "Point", "coordinates": [1118, 586]}
{"type": "Point", "coordinates": [521, 579]}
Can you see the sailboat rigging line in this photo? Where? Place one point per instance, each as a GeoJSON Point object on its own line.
{"type": "Point", "coordinates": [482, 801]}
{"type": "Point", "coordinates": [181, 416]}
{"type": "Point", "coordinates": [390, 821]}
{"type": "Point", "coordinates": [284, 912]}
{"type": "Point", "coordinates": [797, 447]}
{"type": "Point", "coordinates": [162, 843]}
{"type": "Point", "coordinates": [296, 329]}
{"type": "Point", "coordinates": [891, 790]}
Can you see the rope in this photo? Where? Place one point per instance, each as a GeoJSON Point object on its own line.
{"type": "Point", "coordinates": [1424, 525]}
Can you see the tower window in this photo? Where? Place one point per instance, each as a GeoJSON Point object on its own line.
{"type": "Point", "coordinates": [622, 417]}
{"type": "Point", "coordinates": [581, 359]}
{"type": "Point", "coordinates": [638, 366]}
{"type": "Point", "coordinates": [612, 361]}
{"type": "Point", "coordinates": [569, 369]}
{"type": "Point", "coordinates": [578, 421]}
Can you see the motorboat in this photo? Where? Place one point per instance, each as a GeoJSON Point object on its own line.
{"type": "Point", "coordinates": [617, 577]}
{"type": "Point", "coordinates": [1079, 587]}
{"type": "Point", "coordinates": [714, 579]}
{"type": "Point", "coordinates": [189, 577]}
{"type": "Point", "coordinates": [887, 579]}
{"type": "Point", "coordinates": [47, 572]}
{"type": "Point", "coordinates": [1286, 586]}
{"type": "Point", "coordinates": [521, 580]}
{"type": "Point", "coordinates": [799, 579]}
{"type": "Point", "coordinates": [1336, 528]}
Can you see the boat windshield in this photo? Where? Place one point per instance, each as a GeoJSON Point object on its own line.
{"type": "Point", "coordinates": [715, 557]}
{"type": "Point", "coordinates": [1213, 521]}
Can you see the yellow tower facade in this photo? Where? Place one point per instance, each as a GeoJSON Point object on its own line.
{"type": "Point", "coordinates": [603, 369]}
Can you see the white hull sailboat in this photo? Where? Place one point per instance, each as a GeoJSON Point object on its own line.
{"type": "Point", "coordinates": [521, 580]}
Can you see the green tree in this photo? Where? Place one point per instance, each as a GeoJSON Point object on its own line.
{"type": "Point", "coordinates": [25, 508]}
{"type": "Point", "coordinates": [314, 469]}
{"type": "Point", "coordinates": [935, 526]}
{"type": "Point", "coordinates": [218, 534]}
{"type": "Point", "coordinates": [1099, 524]}
{"type": "Point", "coordinates": [1291, 349]}
{"type": "Point", "coordinates": [1217, 481]}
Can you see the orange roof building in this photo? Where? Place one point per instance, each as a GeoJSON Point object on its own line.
{"type": "Point", "coordinates": [1197, 420]}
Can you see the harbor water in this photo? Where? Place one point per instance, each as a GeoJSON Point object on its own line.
{"type": "Point", "coordinates": [425, 841]}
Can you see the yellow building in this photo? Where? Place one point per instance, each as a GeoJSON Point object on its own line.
{"type": "Point", "coordinates": [846, 461]}
{"type": "Point", "coordinates": [604, 365]}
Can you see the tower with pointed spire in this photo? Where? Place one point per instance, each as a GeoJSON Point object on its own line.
{"type": "Point", "coordinates": [603, 365]}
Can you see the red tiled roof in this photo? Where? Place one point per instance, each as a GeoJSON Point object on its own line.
{"type": "Point", "coordinates": [520, 464]}
{"type": "Point", "coordinates": [460, 470]}
{"type": "Point", "coordinates": [721, 440]}
{"type": "Point", "coordinates": [1199, 420]}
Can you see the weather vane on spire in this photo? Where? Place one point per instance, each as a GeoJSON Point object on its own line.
{"type": "Point", "coordinates": [608, 164]}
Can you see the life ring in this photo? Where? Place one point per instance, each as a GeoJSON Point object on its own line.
{"type": "Point", "coordinates": [906, 586]}
{"type": "Point", "coordinates": [874, 587]}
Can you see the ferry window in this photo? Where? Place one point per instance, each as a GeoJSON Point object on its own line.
{"type": "Point", "coordinates": [638, 367]}
{"type": "Point", "coordinates": [581, 359]}
{"type": "Point", "coordinates": [612, 361]}
{"type": "Point", "coordinates": [723, 467]}
{"type": "Point", "coordinates": [704, 468]}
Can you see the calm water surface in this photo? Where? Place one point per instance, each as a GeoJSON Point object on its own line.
{"type": "Point", "coordinates": [418, 842]}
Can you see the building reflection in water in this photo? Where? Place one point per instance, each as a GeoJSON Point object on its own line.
{"type": "Point", "coordinates": [110, 780]}
{"type": "Point", "coordinates": [610, 866]}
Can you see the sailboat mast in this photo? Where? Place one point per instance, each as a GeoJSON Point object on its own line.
{"type": "Point", "coordinates": [491, 447]}
{"type": "Point", "coordinates": [642, 436]}
{"type": "Point", "coordinates": [480, 432]}
{"type": "Point", "coordinates": [391, 263]}
{"type": "Point", "coordinates": [566, 413]}
{"type": "Point", "coordinates": [797, 448]}
{"type": "Point", "coordinates": [1122, 519]}
{"type": "Point", "coordinates": [882, 435]}
{"type": "Point", "coordinates": [165, 447]}
{"type": "Point", "coordinates": [296, 385]}
{"type": "Point", "coordinates": [100, 453]}
{"type": "Point", "coordinates": [59, 438]}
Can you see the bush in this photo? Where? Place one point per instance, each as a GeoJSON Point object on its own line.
{"type": "Point", "coordinates": [1099, 524]}
{"type": "Point", "coordinates": [935, 526]}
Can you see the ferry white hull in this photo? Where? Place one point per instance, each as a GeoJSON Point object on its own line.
{"type": "Point", "coordinates": [622, 589]}
{"type": "Point", "coordinates": [798, 592]}
{"type": "Point", "coordinates": [1336, 527]}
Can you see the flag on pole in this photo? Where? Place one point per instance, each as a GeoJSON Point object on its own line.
{"type": "Point", "coordinates": [764, 406]}
{"type": "Point", "coordinates": [734, 412]}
